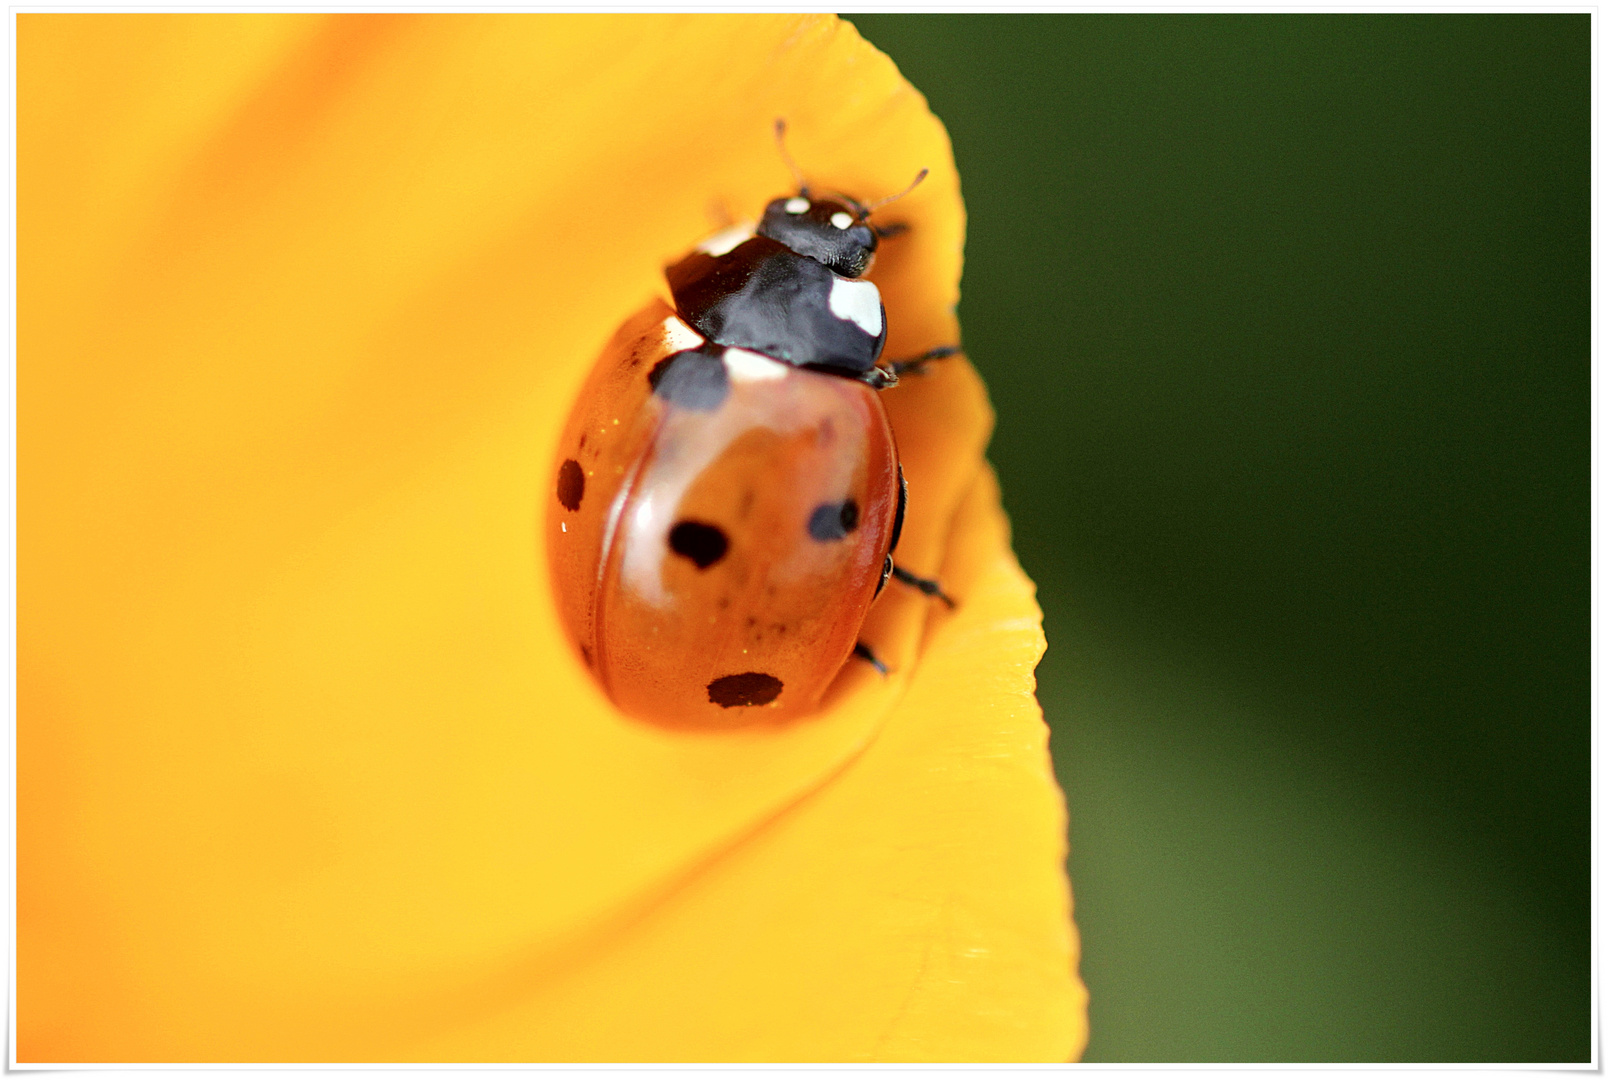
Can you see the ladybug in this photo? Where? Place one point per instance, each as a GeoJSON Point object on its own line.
{"type": "Point", "coordinates": [728, 495]}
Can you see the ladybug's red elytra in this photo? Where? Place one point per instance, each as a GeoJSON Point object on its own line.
{"type": "Point", "coordinates": [728, 495]}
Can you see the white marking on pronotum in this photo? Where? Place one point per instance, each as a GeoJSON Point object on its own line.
{"type": "Point", "coordinates": [745, 366]}
{"type": "Point", "coordinates": [859, 302]}
{"type": "Point", "coordinates": [679, 336]}
{"type": "Point", "coordinates": [842, 220]}
{"type": "Point", "coordinates": [726, 239]}
{"type": "Point", "coordinates": [796, 205]}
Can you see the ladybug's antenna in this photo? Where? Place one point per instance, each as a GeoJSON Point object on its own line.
{"type": "Point", "coordinates": [865, 211]}
{"type": "Point", "coordinates": [781, 145]}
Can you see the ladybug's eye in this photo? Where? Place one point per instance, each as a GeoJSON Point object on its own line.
{"type": "Point", "coordinates": [842, 220]}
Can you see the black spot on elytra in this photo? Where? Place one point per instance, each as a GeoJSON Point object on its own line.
{"type": "Point", "coordinates": [571, 484]}
{"type": "Point", "coordinates": [834, 520]}
{"type": "Point", "coordinates": [694, 379]}
{"type": "Point", "coordinates": [749, 688]}
{"type": "Point", "coordinates": [704, 544]}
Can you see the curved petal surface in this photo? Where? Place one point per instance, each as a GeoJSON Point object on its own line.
{"type": "Point", "coordinates": [306, 771]}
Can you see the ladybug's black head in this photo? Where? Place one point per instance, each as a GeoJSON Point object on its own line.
{"type": "Point", "coordinates": [824, 229]}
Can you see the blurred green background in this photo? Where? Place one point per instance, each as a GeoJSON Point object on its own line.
{"type": "Point", "coordinates": [1286, 319]}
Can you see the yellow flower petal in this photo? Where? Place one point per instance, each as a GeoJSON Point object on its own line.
{"type": "Point", "coordinates": [306, 770]}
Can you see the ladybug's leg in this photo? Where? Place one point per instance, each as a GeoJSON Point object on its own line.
{"type": "Point", "coordinates": [879, 378]}
{"type": "Point", "coordinates": [916, 365]}
{"type": "Point", "coordinates": [926, 585]}
{"type": "Point", "coordinates": [885, 375]}
{"type": "Point", "coordinates": [898, 518]}
{"type": "Point", "coordinates": [863, 651]}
